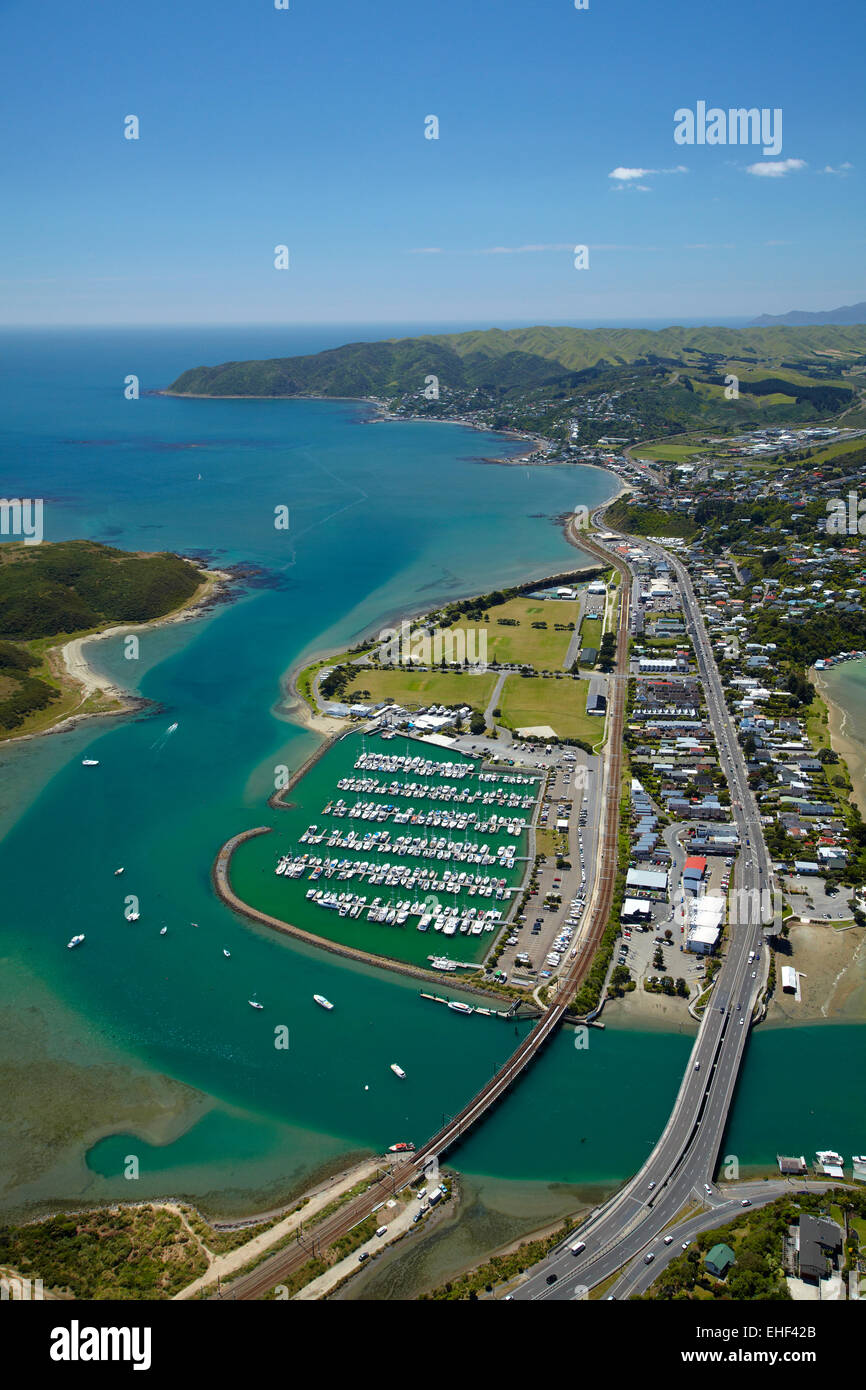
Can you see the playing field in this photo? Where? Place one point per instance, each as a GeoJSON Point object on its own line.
{"type": "Point", "coordinates": [530, 701]}
{"type": "Point", "coordinates": [543, 648]}
{"type": "Point", "coordinates": [416, 688]}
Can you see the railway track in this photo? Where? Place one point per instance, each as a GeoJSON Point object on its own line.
{"type": "Point", "coordinates": [284, 1263]}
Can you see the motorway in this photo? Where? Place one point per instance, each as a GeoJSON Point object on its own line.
{"type": "Point", "coordinates": [680, 1168]}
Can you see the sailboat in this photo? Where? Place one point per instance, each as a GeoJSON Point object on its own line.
{"type": "Point", "coordinates": [119, 871]}
{"type": "Point", "coordinates": [254, 1004]}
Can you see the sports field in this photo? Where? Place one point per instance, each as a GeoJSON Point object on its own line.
{"type": "Point", "coordinates": [527, 701]}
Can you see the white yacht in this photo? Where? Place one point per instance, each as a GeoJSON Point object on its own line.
{"type": "Point", "coordinates": [90, 762]}
{"type": "Point", "coordinates": [322, 1001]}
{"type": "Point", "coordinates": [254, 1004]}
{"type": "Point", "coordinates": [76, 941]}
{"type": "Point", "coordinates": [398, 1071]}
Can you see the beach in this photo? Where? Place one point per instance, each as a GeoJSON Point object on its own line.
{"type": "Point", "coordinates": [843, 733]}
{"type": "Point", "coordinates": [69, 661]}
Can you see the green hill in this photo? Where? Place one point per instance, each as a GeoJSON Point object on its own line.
{"type": "Point", "coordinates": [54, 590]}
{"type": "Point", "coordinates": [522, 359]}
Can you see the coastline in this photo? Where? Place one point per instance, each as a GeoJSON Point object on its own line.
{"type": "Point", "coordinates": [69, 662]}
{"type": "Point", "coordinates": [850, 750]}
{"type": "Point", "coordinates": [382, 415]}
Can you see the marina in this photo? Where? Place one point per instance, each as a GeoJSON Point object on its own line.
{"type": "Point", "coordinates": [419, 843]}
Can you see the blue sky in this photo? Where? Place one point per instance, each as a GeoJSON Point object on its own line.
{"type": "Point", "coordinates": [305, 127]}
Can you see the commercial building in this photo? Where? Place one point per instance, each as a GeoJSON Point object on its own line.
{"type": "Point", "coordinates": [651, 881]}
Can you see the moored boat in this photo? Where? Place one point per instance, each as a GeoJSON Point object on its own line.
{"type": "Point", "coordinates": [398, 1071]}
{"type": "Point", "coordinates": [76, 941]}
{"type": "Point", "coordinates": [459, 1007]}
{"type": "Point", "coordinates": [254, 1004]}
{"type": "Point", "coordinates": [322, 1001]}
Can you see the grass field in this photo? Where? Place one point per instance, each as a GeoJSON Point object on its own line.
{"type": "Point", "coordinates": [532, 700]}
{"type": "Point", "coordinates": [416, 688]}
{"type": "Point", "coordinates": [668, 453]}
{"type": "Point", "coordinates": [590, 633]}
{"type": "Point", "coordinates": [835, 452]}
{"type": "Point", "coordinates": [542, 648]}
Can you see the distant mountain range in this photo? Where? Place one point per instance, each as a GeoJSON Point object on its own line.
{"type": "Point", "coordinates": [800, 318]}
{"type": "Point", "coordinates": [518, 359]}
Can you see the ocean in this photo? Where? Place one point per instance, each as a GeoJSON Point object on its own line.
{"type": "Point", "coordinates": [144, 1045]}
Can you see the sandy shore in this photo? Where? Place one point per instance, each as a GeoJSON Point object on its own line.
{"type": "Point", "coordinates": [831, 964]}
{"type": "Point", "coordinates": [70, 662]}
{"type": "Point", "coordinates": [851, 750]}
{"type": "Point", "coordinates": [223, 1266]}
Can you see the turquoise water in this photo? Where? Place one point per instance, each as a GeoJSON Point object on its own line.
{"type": "Point", "coordinates": [369, 536]}
{"type": "Point", "coordinates": [383, 518]}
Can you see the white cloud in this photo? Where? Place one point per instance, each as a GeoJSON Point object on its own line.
{"type": "Point", "coordinates": [841, 169]}
{"type": "Point", "coordinates": [625, 175]}
{"type": "Point", "coordinates": [519, 250]}
{"type": "Point", "coordinates": [776, 168]}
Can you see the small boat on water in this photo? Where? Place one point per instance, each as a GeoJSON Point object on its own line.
{"type": "Point", "coordinates": [171, 728]}
{"type": "Point", "coordinates": [90, 762]}
{"type": "Point", "coordinates": [322, 1001]}
{"type": "Point", "coordinates": [254, 1004]}
{"type": "Point", "coordinates": [459, 1007]}
{"type": "Point", "coordinates": [119, 871]}
{"type": "Point", "coordinates": [76, 941]}
{"type": "Point", "coordinates": [133, 916]}
{"type": "Point", "coordinates": [163, 930]}
{"type": "Point", "coordinates": [401, 1148]}
{"type": "Point", "coordinates": [226, 953]}
{"type": "Point", "coordinates": [398, 1071]}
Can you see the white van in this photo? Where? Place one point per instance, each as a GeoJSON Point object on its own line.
{"type": "Point", "coordinates": [382, 1231]}
{"type": "Point", "coordinates": [578, 1247]}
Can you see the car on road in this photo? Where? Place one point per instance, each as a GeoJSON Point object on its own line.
{"type": "Point", "coordinates": [669, 1240]}
{"type": "Point", "coordinates": [707, 1187]}
{"type": "Point", "coordinates": [745, 1202]}
{"type": "Point", "coordinates": [364, 1255]}
{"type": "Point", "coordinates": [648, 1259]}
{"type": "Point", "coordinates": [551, 1278]}
{"type": "Point", "coordinates": [685, 1245]}
{"type": "Point", "coordinates": [651, 1186]}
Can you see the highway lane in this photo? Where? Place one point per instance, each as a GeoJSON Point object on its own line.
{"type": "Point", "coordinates": [682, 1164]}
